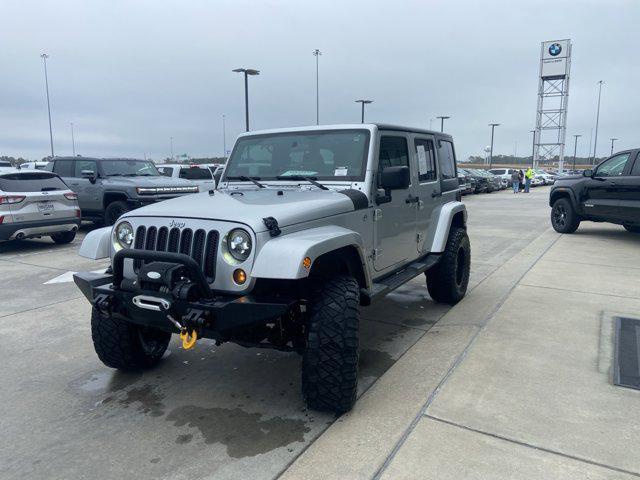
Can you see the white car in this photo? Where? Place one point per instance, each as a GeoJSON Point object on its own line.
{"type": "Point", "coordinates": [201, 175]}
{"type": "Point", "coordinates": [547, 178]}
{"type": "Point", "coordinates": [34, 203]}
{"type": "Point", "coordinates": [34, 165]}
{"type": "Point", "coordinates": [504, 174]}
{"type": "Point", "coordinates": [216, 169]}
{"type": "Point", "coordinates": [6, 167]}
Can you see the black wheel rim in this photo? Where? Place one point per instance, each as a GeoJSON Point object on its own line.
{"type": "Point", "coordinates": [460, 265]}
{"type": "Point", "coordinates": [151, 341]}
{"type": "Point", "coordinates": [560, 216]}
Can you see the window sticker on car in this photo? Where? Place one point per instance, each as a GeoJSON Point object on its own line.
{"type": "Point", "coordinates": [422, 160]}
{"type": "Point", "coordinates": [340, 172]}
{"type": "Point", "coordinates": [298, 172]}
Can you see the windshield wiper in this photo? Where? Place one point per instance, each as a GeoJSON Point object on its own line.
{"type": "Point", "coordinates": [311, 180]}
{"type": "Point", "coordinates": [244, 178]}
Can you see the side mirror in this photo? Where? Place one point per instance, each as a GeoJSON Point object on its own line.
{"type": "Point", "coordinates": [395, 178]}
{"type": "Point", "coordinates": [89, 175]}
{"type": "Point", "coordinates": [587, 173]}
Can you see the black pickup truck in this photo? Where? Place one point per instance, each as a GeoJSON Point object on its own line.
{"type": "Point", "coordinates": [608, 193]}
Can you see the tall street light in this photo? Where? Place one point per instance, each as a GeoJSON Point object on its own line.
{"type": "Point", "coordinates": [533, 147]}
{"type": "Point", "coordinates": [493, 126]}
{"type": "Point", "coordinates": [171, 140]}
{"type": "Point", "coordinates": [431, 123]}
{"type": "Point", "coordinates": [612, 140]}
{"type": "Point", "coordinates": [247, 72]}
{"type": "Point", "coordinates": [442, 119]}
{"type": "Point", "coordinates": [44, 57]}
{"type": "Point", "coordinates": [224, 136]}
{"type": "Point", "coordinates": [363, 102]}
{"type": "Point", "coordinates": [595, 140]}
{"type": "Point", "coordinates": [575, 150]}
{"type": "Point", "coordinates": [317, 54]}
{"type": "Point", "coordinates": [73, 141]}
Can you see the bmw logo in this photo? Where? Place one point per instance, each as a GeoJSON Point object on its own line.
{"type": "Point", "coordinates": [555, 49]}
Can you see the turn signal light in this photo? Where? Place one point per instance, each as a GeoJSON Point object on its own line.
{"type": "Point", "coordinates": [71, 196]}
{"type": "Point", "coordinates": [5, 199]}
{"type": "Point", "coordinates": [239, 276]}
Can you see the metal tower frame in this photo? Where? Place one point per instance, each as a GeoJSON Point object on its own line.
{"type": "Point", "coordinates": [551, 114]}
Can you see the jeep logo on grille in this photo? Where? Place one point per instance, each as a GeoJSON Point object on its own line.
{"type": "Point", "coordinates": [175, 224]}
{"type": "Point", "coordinates": [153, 275]}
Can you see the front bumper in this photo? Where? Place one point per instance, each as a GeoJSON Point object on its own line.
{"type": "Point", "coordinates": [38, 228]}
{"type": "Point", "coordinates": [213, 315]}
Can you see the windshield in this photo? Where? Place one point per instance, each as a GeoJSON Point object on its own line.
{"type": "Point", "coordinates": [128, 168]}
{"type": "Point", "coordinates": [327, 155]}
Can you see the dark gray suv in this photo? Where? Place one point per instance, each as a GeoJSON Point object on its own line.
{"type": "Point", "coordinates": [110, 187]}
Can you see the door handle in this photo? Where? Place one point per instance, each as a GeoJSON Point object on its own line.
{"type": "Point", "coordinates": [412, 199]}
{"type": "Point", "coordinates": [436, 194]}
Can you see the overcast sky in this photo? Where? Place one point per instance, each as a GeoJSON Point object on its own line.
{"type": "Point", "coordinates": [132, 74]}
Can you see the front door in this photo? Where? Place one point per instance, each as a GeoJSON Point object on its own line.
{"type": "Point", "coordinates": [601, 194]}
{"type": "Point", "coordinates": [89, 194]}
{"type": "Point", "coordinates": [630, 193]}
{"type": "Point", "coordinates": [428, 188]}
{"type": "Point", "coordinates": [395, 221]}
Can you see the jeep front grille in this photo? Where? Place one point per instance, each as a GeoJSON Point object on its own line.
{"type": "Point", "coordinates": [200, 245]}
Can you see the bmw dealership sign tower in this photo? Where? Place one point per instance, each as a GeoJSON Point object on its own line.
{"type": "Point", "coordinates": [553, 99]}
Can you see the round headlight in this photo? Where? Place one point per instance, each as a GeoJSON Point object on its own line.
{"type": "Point", "coordinates": [239, 244]}
{"type": "Point", "coordinates": [124, 235]}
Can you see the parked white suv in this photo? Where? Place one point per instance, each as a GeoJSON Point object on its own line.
{"type": "Point", "coordinates": [198, 174]}
{"type": "Point", "coordinates": [34, 203]}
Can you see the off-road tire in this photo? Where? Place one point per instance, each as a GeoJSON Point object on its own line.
{"type": "Point", "coordinates": [126, 346]}
{"type": "Point", "coordinates": [330, 360]}
{"type": "Point", "coordinates": [63, 237]}
{"type": "Point", "coordinates": [113, 211]}
{"type": "Point", "coordinates": [632, 228]}
{"type": "Point", "coordinates": [564, 218]}
{"type": "Point", "coordinates": [447, 282]}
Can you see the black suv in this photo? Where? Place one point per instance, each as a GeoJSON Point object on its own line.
{"type": "Point", "coordinates": [608, 193]}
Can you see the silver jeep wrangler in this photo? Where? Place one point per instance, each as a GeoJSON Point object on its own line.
{"type": "Point", "coordinates": [307, 226]}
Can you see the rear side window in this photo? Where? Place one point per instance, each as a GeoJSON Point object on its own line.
{"type": "Point", "coordinates": [37, 182]}
{"type": "Point", "coordinates": [393, 152]}
{"type": "Point", "coordinates": [426, 155]}
{"type": "Point", "coordinates": [195, 173]}
{"type": "Point", "coordinates": [85, 165]}
{"type": "Point", "coordinates": [446, 159]}
{"type": "Point", "coordinates": [64, 168]}
{"type": "Point", "coordinates": [166, 171]}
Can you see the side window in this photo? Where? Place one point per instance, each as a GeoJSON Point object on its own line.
{"type": "Point", "coordinates": [85, 165]}
{"type": "Point", "coordinates": [614, 166]}
{"type": "Point", "coordinates": [165, 171]}
{"type": "Point", "coordinates": [446, 159]}
{"type": "Point", "coordinates": [426, 155]}
{"type": "Point", "coordinates": [63, 168]}
{"type": "Point", "coordinates": [636, 167]}
{"type": "Point", "coordinates": [393, 152]}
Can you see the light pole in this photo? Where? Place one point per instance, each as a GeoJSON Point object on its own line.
{"type": "Point", "coordinates": [533, 147]}
{"type": "Point", "coordinates": [247, 72]}
{"type": "Point", "coordinates": [575, 150]}
{"type": "Point", "coordinates": [317, 54]}
{"type": "Point", "coordinates": [595, 140]}
{"type": "Point", "coordinates": [73, 141]}
{"type": "Point", "coordinates": [171, 140]}
{"type": "Point", "coordinates": [612, 140]}
{"type": "Point", "coordinates": [442, 119]}
{"type": "Point", "coordinates": [224, 136]}
{"type": "Point", "coordinates": [430, 123]}
{"type": "Point", "coordinates": [493, 126]}
{"type": "Point", "coordinates": [363, 102]}
{"type": "Point", "coordinates": [44, 57]}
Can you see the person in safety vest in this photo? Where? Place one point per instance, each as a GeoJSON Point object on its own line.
{"type": "Point", "coordinates": [528, 176]}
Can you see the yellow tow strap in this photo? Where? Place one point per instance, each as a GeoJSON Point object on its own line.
{"type": "Point", "coordinates": [189, 339]}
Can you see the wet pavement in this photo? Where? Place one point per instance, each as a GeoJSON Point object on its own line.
{"type": "Point", "coordinates": [213, 412]}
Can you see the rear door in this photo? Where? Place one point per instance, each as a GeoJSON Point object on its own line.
{"type": "Point", "coordinates": [602, 192]}
{"type": "Point", "coordinates": [629, 192]}
{"type": "Point", "coordinates": [395, 224]}
{"type": "Point", "coordinates": [37, 196]}
{"type": "Point", "coordinates": [428, 188]}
